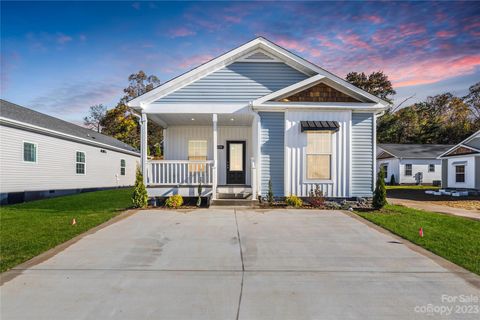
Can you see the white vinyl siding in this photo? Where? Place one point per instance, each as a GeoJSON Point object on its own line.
{"type": "Point", "coordinates": [318, 155]}
{"type": "Point", "coordinates": [29, 152]}
{"type": "Point", "coordinates": [80, 163]}
{"type": "Point", "coordinates": [469, 175]}
{"type": "Point", "coordinates": [56, 161]}
{"type": "Point", "coordinates": [397, 168]}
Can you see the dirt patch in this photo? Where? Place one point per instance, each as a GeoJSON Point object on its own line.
{"type": "Point", "coordinates": [462, 204]}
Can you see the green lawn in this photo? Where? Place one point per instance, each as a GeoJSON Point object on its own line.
{"type": "Point", "coordinates": [412, 187]}
{"type": "Point", "coordinates": [31, 228]}
{"type": "Point", "coordinates": [453, 238]}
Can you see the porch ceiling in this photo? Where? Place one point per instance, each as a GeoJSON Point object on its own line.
{"type": "Point", "coordinates": [201, 119]}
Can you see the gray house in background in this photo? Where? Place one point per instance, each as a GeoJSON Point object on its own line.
{"type": "Point", "coordinates": [461, 164]}
{"type": "Point", "coordinates": [42, 156]}
{"type": "Point", "coordinates": [411, 163]}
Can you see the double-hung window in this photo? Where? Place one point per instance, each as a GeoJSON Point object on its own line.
{"type": "Point", "coordinates": [459, 173]}
{"type": "Point", "coordinates": [80, 162]}
{"type": "Point", "coordinates": [431, 167]}
{"type": "Point", "coordinates": [123, 166]}
{"type": "Point", "coordinates": [197, 151]}
{"type": "Point", "coordinates": [319, 155]}
{"type": "Point", "coordinates": [29, 152]}
{"type": "Point", "coordinates": [408, 169]}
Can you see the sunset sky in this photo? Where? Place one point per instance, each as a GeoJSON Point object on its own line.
{"type": "Point", "coordinates": [61, 57]}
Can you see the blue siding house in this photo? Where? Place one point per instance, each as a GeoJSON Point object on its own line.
{"type": "Point", "coordinates": [256, 115]}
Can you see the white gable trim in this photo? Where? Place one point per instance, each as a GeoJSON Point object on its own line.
{"type": "Point", "coordinates": [282, 106]}
{"type": "Point", "coordinates": [461, 144]}
{"type": "Point", "coordinates": [232, 56]}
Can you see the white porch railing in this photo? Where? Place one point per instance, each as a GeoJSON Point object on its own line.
{"type": "Point", "coordinates": [179, 172]}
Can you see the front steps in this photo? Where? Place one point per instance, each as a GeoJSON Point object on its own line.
{"type": "Point", "coordinates": [233, 196]}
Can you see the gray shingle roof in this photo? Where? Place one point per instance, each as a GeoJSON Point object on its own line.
{"type": "Point", "coordinates": [474, 141]}
{"type": "Point", "coordinates": [18, 113]}
{"type": "Point", "coordinates": [415, 151]}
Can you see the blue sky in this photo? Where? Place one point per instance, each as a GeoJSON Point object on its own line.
{"type": "Point", "coordinates": [62, 57]}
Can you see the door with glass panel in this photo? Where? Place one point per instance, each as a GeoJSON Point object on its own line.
{"type": "Point", "coordinates": [235, 162]}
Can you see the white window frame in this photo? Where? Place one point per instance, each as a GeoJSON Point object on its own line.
{"type": "Point", "coordinates": [405, 170]}
{"type": "Point", "coordinates": [124, 167]}
{"type": "Point", "coordinates": [429, 167]}
{"type": "Point", "coordinates": [464, 173]}
{"type": "Point", "coordinates": [84, 163]}
{"type": "Point", "coordinates": [23, 152]}
{"type": "Point", "coordinates": [192, 167]}
{"type": "Point", "coordinates": [332, 160]}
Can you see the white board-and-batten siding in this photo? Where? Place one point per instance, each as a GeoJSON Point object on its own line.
{"type": "Point", "coordinates": [177, 137]}
{"type": "Point", "coordinates": [55, 168]}
{"type": "Point", "coordinates": [295, 148]}
{"type": "Point", "coordinates": [362, 154]}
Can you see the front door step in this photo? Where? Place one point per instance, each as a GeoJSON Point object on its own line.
{"type": "Point", "coordinates": [238, 195]}
{"type": "Point", "coordinates": [234, 203]}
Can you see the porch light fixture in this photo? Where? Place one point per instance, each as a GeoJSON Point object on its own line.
{"type": "Point", "coordinates": [231, 119]}
{"type": "Point", "coordinates": [193, 119]}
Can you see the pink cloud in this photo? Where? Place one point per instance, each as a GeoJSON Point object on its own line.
{"type": "Point", "coordinates": [374, 19]}
{"type": "Point", "coordinates": [431, 71]}
{"type": "Point", "coordinates": [291, 44]}
{"type": "Point", "coordinates": [194, 60]}
{"type": "Point", "coordinates": [391, 36]}
{"type": "Point", "coordinates": [354, 40]}
{"type": "Point", "coordinates": [445, 34]}
{"type": "Point", "coordinates": [181, 32]}
{"type": "Point", "coordinates": [232, 19]}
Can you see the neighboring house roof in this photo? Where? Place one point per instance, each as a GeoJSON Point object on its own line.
{"type": "Point", "coordinates": [19, 116]}
{"type": "Point", "coordinates": [258, 50]}
{"type": "Point", "coordinates": [412, 151]}
{"type": "Point", "coordinates": [472, 143]}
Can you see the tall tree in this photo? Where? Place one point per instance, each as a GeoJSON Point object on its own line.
{"type": "Point", "coordinates": [95, 115]}
{"type": "Point", "coordinates": [376, 83]}
{"type": "Point", "coordinates": [472, 99]}
{"type": "Point", "coordinates": [121, 124]}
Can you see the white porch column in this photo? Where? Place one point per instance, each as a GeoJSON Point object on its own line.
{"type": "Point", "coordinates": [144, 146]}
{"type": "Point", "coordinates": [215, 156]}
{"type": "Point", "coordinates": [256, 144]}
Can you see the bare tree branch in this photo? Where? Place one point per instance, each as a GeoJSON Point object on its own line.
{"type": "Point", "coordinates": [400, 104]}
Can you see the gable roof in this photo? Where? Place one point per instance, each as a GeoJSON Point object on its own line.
{"type": "Point", "coordinates": [414, 151]}
{"type": "Point", "coordinates": [27, 118]}
{"type": "Point", "coordinates": [472, 142]}
{"type": "Point", "coordinates": [258, 44]}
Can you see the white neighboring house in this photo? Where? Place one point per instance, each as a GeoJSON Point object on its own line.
{"type": "Point", "coordinates": [461, 164]}
{"type": "Point", "coordinates": [259, 113]}
{"type": "Point", "coordinates": [411, 163]}
{"type": "Point", "coordinates": [42, 156]}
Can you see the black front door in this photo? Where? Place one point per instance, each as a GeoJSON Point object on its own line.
{"type": "Point", "coordinates": [235, 162]}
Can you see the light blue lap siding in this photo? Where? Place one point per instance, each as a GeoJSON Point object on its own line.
{"type": "Point", "coordinates": [272, 151]}
{"type": "Point", "coordinates": [362, 155]}
{"type": "Point", "coordinates": [237, 82]}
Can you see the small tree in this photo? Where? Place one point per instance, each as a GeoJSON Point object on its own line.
{"type": "Point", "coordinates": [392, 180]}
{"type": "Point", "coordinates": [380, 194]}
{"type": "Point", "coordinates": [139, 196]}
{"type": "Point", "coordinates": [270, 192]}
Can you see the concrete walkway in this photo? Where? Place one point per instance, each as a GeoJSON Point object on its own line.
{"type": "Point", "coordinates": [428, 206]}
{"type": "Point", "coordinates": [237, 264]}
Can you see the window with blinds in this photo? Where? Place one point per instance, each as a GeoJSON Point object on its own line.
{"type": "Point", "coordinates": [197, 151]}
{"type": "Point", "coordinates": [319, 155]}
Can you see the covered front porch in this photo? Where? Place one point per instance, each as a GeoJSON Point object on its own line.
{"type": "Point", "coordinates": [218, 151]}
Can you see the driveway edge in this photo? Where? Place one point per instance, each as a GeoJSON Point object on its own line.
{"type": "Point", "coordinates": [465, 274]}
{"type": "Point", "coordinates": [17, 270]}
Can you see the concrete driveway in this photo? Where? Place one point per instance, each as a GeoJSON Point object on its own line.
{"type": "Point", "coordinates": [240, 264]}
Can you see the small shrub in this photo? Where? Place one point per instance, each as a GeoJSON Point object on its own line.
{"type": "Point", "coordinates": [331, 205]}
{"type": "Point", "coordinates": [174, 201]}
{"type": "Point", "coordinates": [270, 192]}
{"type": "Point", "coordinates": [380, 194]}
{"type": "Point", "coordinates": [316, 198]}
{"type": "Point", "coordinates": [139, 196]}
{"type": "Point", "coordinates": [392, 180]}
{"type": "Point", "coordinates": [294, 201]}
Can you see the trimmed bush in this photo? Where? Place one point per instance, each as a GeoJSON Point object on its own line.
{"type": "Point", "coordinates": [174, 201]}
{"type": "Point", "coordinates": [380, 194]}
{"type": "Point", "coordinates": [392, 180]}
{"type": "Point", "coordinates": [316, 198]}
{"type": "Point", "coordinates": [139, 196]}
{"type": "Point", "coordinates": [294, 201]}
